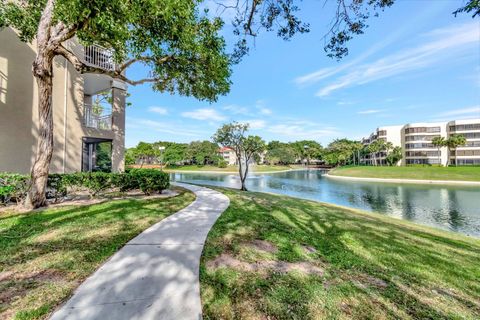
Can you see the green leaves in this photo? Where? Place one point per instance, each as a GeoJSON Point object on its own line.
{"type": "Point", "coordinates": [147, 31]}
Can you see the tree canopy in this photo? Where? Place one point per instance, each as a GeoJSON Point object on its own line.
{"type": "Point", "coordinates": [181, 46]}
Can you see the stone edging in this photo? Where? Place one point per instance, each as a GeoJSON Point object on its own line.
{"type": "Point", "coordinates": [407, 181]}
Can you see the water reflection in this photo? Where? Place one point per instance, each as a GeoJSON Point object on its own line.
{"type": "Point", "coordinates": [447, 207]}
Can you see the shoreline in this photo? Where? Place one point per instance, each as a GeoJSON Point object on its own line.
{"type": "Point", "coordinates": [236, 172]}
{"type": "Point", "coordinates": [407, 181]}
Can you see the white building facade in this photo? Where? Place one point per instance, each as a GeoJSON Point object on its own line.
{"type": "Point", "coordinates": [415, 139]}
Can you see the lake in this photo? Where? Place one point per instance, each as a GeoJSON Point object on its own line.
{"type": "Point", "coordinates": [451, 208]}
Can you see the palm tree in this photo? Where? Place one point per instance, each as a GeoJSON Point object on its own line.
{"type": "Point", "coordinates": [374, 148]}
{"type": "Point", "coordinates": [455, 141]}
{"type": "Point", "coordinates": [439, 142]}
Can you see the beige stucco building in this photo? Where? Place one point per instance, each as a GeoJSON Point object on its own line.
{"type": "Point", "coordinates": [89, 132]}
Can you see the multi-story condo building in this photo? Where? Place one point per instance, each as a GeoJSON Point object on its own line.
{"type": "Point", "coordinates": [89, 130]}
{"type": "Point", "coordinates": [388, 134]}
{"type": "Point", "coordinates": [469, 154]}
{"type": "Point", "coordinates": [416, 142]}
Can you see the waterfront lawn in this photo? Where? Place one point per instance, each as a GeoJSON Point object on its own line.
{"type": "Point", "coordinates": [350, 264]}
{"type": "Point", "coordinates": [232, 169]}
{"type": "Point", "coordinates": [45, 255]}
{"type": "Point", "coordinates": [414, 172]}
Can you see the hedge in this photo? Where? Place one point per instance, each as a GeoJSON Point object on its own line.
{"type": "Point", "coordinates": [14, 187]}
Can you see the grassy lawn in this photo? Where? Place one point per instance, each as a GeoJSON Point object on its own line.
{"type": "Point", "coordinates": [45, 255]}
{"type": "Point", "coordinates": [256, 168]}
{"type": "Point", "coordinates": [276, 257]}
{"type": "Point", "coordinates": [423, 173]}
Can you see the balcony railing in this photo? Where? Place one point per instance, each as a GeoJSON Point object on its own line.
{"type": "Point", "coordinates": [97, 56]}
{"type": "Point", "coordinates": [97, 121]}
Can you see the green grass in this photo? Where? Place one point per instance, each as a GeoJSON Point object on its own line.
{"type": "Point", "coordinates": [422, 173]}
{"type": "Point", "coordinates": [375, 267]}
{"type": "Point", "coordinates": [45, 255]}
{"type": "Point", "coordinates": [232, 169]}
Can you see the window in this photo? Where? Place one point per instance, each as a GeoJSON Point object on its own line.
{"type": "Point", "coordinates": [422, 154]}
{"type": "Point", "coordinates": [422, 161]}
{"type": "Point", "coordinates": [422, 130]}
{"type": "Point", "coordinates": [419, 146]}
{"type": "Point", "coordinates": [97, 155]}
{"type": "Point", "coordinates": [382, 132]}
{"type": "Point", "coordinates": [468, 162]}
{"type": "Point", "coordinates": [463, 153]}
{"type": "Point", "coordinates": [421, 138]}
{"type": "Point", "coordinates": [463, 127]}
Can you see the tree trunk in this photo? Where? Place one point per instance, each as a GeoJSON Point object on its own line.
{"type": "Point", "coordinates": [243, 175]}
{"type": "Point", "coordinates": [42, 70]}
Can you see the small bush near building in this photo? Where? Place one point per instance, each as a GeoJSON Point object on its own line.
{"type": "Point", "coordinates": [222, 164]}
{"type": "Point", "coordinates": [14, 187]}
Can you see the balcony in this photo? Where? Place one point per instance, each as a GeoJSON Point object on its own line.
{"type": "Point", "coordinates": [97, 118]}
{"type": "Point", "coordinates": [99, 57]}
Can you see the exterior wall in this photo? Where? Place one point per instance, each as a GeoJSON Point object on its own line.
{"type": "Point", "coordinates": [415, 140]}
{"type": "Point", "coordinates": [19, 112]}
{"type": "Point", "coordinates": [228, 155]}
{"type": "Point", "coordinates": [389, 134]}
{"type": "Point", "coordinates": [417, 146]}
{"type": "Point", "coordinates": [470, 153]}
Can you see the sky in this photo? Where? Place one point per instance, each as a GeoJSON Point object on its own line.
{"type": "Point", "coordinates": [416, 62]}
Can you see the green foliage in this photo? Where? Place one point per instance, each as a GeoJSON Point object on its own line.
{"type": "Point", "coordinates": [203, 152]}
{"type": "Point", "coordinates": [394, 156]}
{"type": "Point", "coordinates": [222, 163]}
{"type": "Point", "coordinates": [149, 180]}
{"type": "Point", "coordinates": [182, 47]}
{"type": "Point", "coordinates": [13, 187]}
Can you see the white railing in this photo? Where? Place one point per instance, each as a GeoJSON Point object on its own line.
{"type": "Point", "coordinates": [100, 57]}
{"type": "Point", "coordinates": [97, 121]}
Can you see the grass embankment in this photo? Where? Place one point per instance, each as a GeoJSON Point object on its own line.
{"type": "Point", "coordinates": [344, 264]}
{"type": "Point", "coordinates": [229, 169]}
{"type": "Point", "coordinates": [417, 173]}
{"type": "Point", "coordinates": [45, 255]}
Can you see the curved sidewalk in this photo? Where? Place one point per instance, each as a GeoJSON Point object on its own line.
{"type": "Point", "coordinates": [155, 275]}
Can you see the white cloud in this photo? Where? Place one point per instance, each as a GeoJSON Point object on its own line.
{"type": "Point", "coordinates": [265, 111]}
{"type": "Point", "coordinates": [470, 111]}
{"type": "Point", "coordinates": [301, 129]}
{"type": "Point", "coordinates": [370, 111]}
{"type": "Point", "coordinates": [255, 123]}
{"type": "Point", "coordinates": [233, 108]}
{"type": "Point", "coordinates": [159, 110]}
{"type": "Point", "coordinates": [204, 114]}
{"type": "Point", "coordinates": [443, 44]}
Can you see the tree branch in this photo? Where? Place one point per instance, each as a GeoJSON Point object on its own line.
{"type": "Point", "coordinates": [84, 68]}
{"type": "Point", "coordinates": [144, 59]}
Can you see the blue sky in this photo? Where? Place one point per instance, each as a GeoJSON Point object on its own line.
{"type": "Point", "coordinates": [415, 63]}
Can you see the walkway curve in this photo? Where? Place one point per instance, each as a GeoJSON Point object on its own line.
{"type": "Point", "coordinates": [156, 274]}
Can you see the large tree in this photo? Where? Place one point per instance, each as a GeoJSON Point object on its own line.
{"type": "Point", "coordinates": [182, 48]}
{"type": "Point", "coordinates": [233, 135]}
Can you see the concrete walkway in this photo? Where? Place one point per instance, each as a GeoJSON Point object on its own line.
{"type": "Point", "coordinates": [155, 275]}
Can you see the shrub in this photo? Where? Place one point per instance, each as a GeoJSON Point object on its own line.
{"type": "Point", "coordinates": [149, 180]}
{"type": "Point", "coordinates": [13, 187]}
{"type": "Point", "coordinates": [56, 187]}
{"type": "Point", "coordinates": [222, 164]}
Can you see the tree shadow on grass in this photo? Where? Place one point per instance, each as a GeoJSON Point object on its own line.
{"type": "Point", "coordinates": [70, 243]}
{"type": "Point", "coordinates": [412, 262]}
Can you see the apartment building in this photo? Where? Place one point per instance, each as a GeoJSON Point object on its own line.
{"type": "Point", "coordinates": [416, 142]}
{"type": "Point", "coordinates": [388, 134]}
{"type": "Point", "coordinates": [469, 154]}
{"type": "Point", "coordinates": [88, 110]}
{"type": "Point", "coordinates": [229, 155]}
